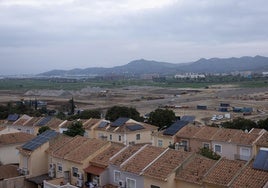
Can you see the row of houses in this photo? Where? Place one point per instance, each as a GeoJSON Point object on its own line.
{"type": "Point", "coordinates": [82, 161]}
{"type": "Point", "coordinates": [55, 160]}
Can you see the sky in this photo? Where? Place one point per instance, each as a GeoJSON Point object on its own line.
{"type": "Point", "coordinates": [41, 35]}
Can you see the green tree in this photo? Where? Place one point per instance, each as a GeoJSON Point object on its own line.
{"type": "Point", "coordinates": [61, 116]}
{"type": "Point", "coordinates": [87, 114]}
{"type": "Point", "coordinates": [162, 117]}
{"type": "Point", "coordinates": [240, 123]}
{"type": "Point", "coordinates": [121, 111]}
{"type": "Point", "coordinates": [76, 128]}
{"type": "Point", "coordinates": [263, 124]}
{"type": "Point", "coordinates": [72, 106]}
{"type": "Point", "coordinates": [206, 152]}
{"type": "Point", "coordinates": [43, 129]}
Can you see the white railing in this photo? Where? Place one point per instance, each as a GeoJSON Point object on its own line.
{"type": "Point", "coordinates": [50, 185]}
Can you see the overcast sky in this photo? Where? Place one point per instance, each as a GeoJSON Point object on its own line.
{"type": "Point", "coordinates": [41, 35]}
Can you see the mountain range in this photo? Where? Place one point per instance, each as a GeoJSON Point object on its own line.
{"type": "Point", "coordinates": [142, 66]}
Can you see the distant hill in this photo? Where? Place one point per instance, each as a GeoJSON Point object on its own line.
{"type": "Point", "coordinates": [139, 67]}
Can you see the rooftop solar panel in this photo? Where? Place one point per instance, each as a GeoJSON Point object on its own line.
{"type": "Point", "coordinates": [39, 140]}
{"type": "Point", "coordinates": [261, 160]}
{"type": "Point", "coordinates": [44, 121]}
{"type": "Point", "coordinates": [103, 124]}
{"type": "Point", "coordinates": [188, 118]}
{"type": "Point", "coordinates": [135, 127]}
{"type": "Point", "coordinates": [13, 117]}
{"type": "Point", "coordinates": [119, 122]}
{"type": "Point", "coordinates": [175, 127]}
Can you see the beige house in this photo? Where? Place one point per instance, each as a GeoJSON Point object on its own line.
{"type": "Point", "coordinates": [90, 125]}
{"type": "Point", "coordinates": [33, 158]}
{"type": "Point", "coordinates": [7, 129]}
{"type": "Point", "coordinates": [8, 144]}
{"type": "Point", "coordinates": [70, 158]}
{"type": "Point", "coordinates": [126, 131]}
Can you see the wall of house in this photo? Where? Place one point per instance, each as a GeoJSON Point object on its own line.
{"type": "Point", "coordinates": [38, 161]}
{"type": "Point", "coordinates": [196, 144]}
{"type": "Point", "coordinates": [184, 184]}
{"type": "Point", "coordinates": [170, 183]}
{"type": "Point", "coordinates": [241, 156]}
{"type": "Point", "coordinates": [229, 150]}
{"type": "Point", "coordinates": [104, 178]}
{"type": "Point", "coordinates": [9, 154]}
{"type": "Point", "coordinates": [124, 175]}
{"type": "Point", "coordinates": [17, 182]}
{"type": "Point", "coordinates": [8, 130]}
{"type": "Point", "coordinates": [145, 137]}
{"type": "Point", "coordinates": [166, 140]}
{"type": "Point", "coordinates": [24, 129]}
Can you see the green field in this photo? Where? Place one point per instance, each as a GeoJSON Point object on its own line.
{"type": "Point", "coordinates": [27, 84]}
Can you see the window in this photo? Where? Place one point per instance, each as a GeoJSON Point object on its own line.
{"type": "Point", "coordinates": [217, 148]}
{"type": "Point", "coordinates": [75, 171]}
{"type": "Point", "coordinates": [154, 186]}
{"type": "Point", "coordinates": [206, 145]}
{"type": "Point", "coordinates": [59, 167]}
{"type": "Point", "coordinates": [160, 143]}
{"type": "Point", "coordinates": [130, 183]}
{"type": "Point", "coordinates": [138, 136]}
{"type": "Point", "coordinates": [111, 137]}
{"type": "Point", "coordinates": [116, 176]}
{"type": "Point", "coordinates": [185, 144]}
{"type": "Point", "coordinates": [119, 138]}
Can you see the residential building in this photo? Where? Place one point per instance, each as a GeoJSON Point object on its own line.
{"type": "Point", "coordinates": [69, 160]}
{"type": "Point", "coordinates": [7, 129]}
{"type": "Point", "coordinates": [165, 138]}
{"type": "Point", "coordinates": [90, 125]}
{"type": "Point", "coordinates": [33, 153]}
{"type": "Point", "coordinates": [126, 131]}
{"type": "Point", "coordinates": [8, 144]}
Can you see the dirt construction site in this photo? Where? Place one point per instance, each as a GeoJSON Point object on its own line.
{"type": "Point", "coordinates": [146, 99]}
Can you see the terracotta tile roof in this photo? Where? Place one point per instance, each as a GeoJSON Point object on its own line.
{"type": "Point", "coordinates": [263, 141]}
{"type": "Point", "coordinates": [32, 121]}
{"type": "Point", "coordinates": [15, 138]}
{"type": "Point", "coordinates": [225, 135]}
{"type": "Point", "coordinates": [96, 170]}
{"type": "Point", "coordinates": [188, 131]}
{"type": "Point", "coordinates": [57, 142]}
{"type": "Point", "coordinates": [54, 123]}
{"type": "Point", "coordinates": [104, 157]}
{"type": "Point", "coordinates": [141, 159]}
{"type": "Point", "coordinates": [3, 128]}
{"type": "Point", "coordinates": [21, 121]}
{"type": "Point", "coordinates": [90, 123]}
{"type": "Point", "coordinates": [85, 149]}
{"type": "Point", "coordinates": [251, 178]}
{"type": "Point", "coordinates": [244, 138]}
{"type": "Point", "coordinates": [224, 171]}
{"type": "Point", "coordinates": [257, 131]}
{"type": "Point", "coordinates": [66, 124]}
{"type": "Point", "coordinates": [206, 133]}
{"type": "Point", "coordinates": [8, 171]}
{"type": "Point", "coordinates": [195, 170]}
{"type": "Point", "coordinates": [166, 164]}
{"type": "Point", "coordinates": [125, 154]}
{"type": "Point", "coordinates": [69, 146]}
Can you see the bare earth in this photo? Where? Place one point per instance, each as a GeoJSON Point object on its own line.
{"type": "Point", "coordinates": [147, 99]}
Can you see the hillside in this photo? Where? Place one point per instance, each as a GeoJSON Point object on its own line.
{"type": "Point", "coordinates": [139, 67]}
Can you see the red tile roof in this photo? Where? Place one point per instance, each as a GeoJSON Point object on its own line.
{"type": "Point", "coordinates": [188, 131]}
{"type": "Point", "coordinates": [90, 123]}
{"type": "Point", "coordinates": [195, 170]}
{"type": "Point", "coordinates": [251, 178]}
{"type": "Point", "coordinates": [96, 170]}
{"type": "Point", "coordinates": [141, 159]}
{"type": "Point", "coordinates": [206, 133]}
{"type": "Point", "coordinates": [8, 171]}
{"type": "Point", "coordinates": [243, 138]}
{"type": "Point", "coordinates": [166, 164]}
{"type": "Point", "coordinates": [15, 138]}
{"type": "Point", "coordinates": [54, 123]}
{"type": "Point", "coordinates": [57, 142]}
{"type": "Point", "coordinates": [224, 171]}
{"type": "Point", "coordinates": [225, 135]}
{"type": "Point", "coordinates": [263, 141]}
{"type": "Point", "coordinates": [104, 157]}
{"type": "Point", "coordinates": [125, 154]}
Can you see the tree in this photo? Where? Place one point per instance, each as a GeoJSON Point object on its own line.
{"type": "Point", "coordinates": [120, 111]}
{"type": "Point", "coordinates": [206, 152]}
{"type": "Point", "coordinates": [240, 123]}
{"type": "Point", "coordinates": [87, 114]}
{"type": "Point", "coordinates": [72, 106]}
{"type": "Point", "coordinates": [162, 117]}
{"type": "Point", "coordinates": [61, 115]}
{"type": "Point", "coordinates": [76, 128]}
{"type": "Point", "coordinates": [43, 129]}
{"type": "Point", "coordinates": [263, 124]}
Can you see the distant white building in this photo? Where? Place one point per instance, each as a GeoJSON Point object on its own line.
{"type": "Point", "coordinates": [189, 75]}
